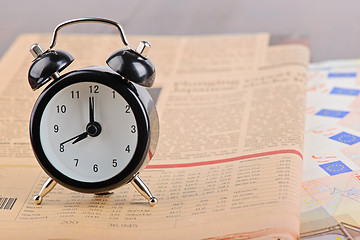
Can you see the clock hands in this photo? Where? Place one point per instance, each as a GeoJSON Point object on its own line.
{"type": "Point", "coordinates": [93, 129]}
{"type": "Point", "coordinates": [91, 110]}
{"type": "Point", "coordinates": [79, 137]}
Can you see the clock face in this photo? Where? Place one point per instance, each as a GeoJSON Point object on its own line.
{"type": "Point", "coordinates": [88, 134]}
{"type": "Point", "coordinates": [97, 155]}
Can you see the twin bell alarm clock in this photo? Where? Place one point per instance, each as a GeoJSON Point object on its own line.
{"type": "Point", "coordinates": [93, 129]}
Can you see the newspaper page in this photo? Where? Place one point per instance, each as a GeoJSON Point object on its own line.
{"type": "Point", "coordinates": [331, 169]}
{"type": "Point", "coordinates": [229, 158]}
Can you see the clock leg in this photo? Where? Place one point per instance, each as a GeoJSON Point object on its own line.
{"type": "Point", "coordinates": [144, 190]}
{"type": "Point", "coordinates": [46, 188]}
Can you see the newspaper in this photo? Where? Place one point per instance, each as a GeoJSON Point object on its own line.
{"type": "Point", "coordinates": [229, 158]}
{"type": "Point", "coordinates": [331, 173]}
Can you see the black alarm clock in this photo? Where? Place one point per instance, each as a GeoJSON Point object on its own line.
{"type": "Point", "coordinates": [93, 129]}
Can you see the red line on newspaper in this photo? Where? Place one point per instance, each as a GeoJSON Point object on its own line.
{"type": "Point", "coordinates": [195, 164]}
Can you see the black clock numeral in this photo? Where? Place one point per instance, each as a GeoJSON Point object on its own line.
{"type": "Point", "coordinates": [127, 109]}
{"type": "Point", "coordinates": [61, 148]}
{"type": "Point", "coordinates": [133, 128]}
{"type": "Point", "coordinates": [127, 149]}
{"type": "Point", "coordinates": [76, 162]}
{"type": "Point", "coordinates": [114, 94]}
{"type": "Point", "coordinates": [61, 109]}
{"type": "Point", "coordinates": [94, 89]}
{"type": "Point", "coordinates": [56, 128]}
{"type": "Point", "coordinates": [75, 94]}
{"type": "Point", "coordinates": [96, 168]}
{"type": "Point", "coordinates": [114, 163]}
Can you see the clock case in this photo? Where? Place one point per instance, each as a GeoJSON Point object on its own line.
{"type": "Point", "coordinates": [142, 106]}
{"type": "Point", "coordinates": [128, 69]}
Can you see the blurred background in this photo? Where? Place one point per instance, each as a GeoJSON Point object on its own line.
{"type": "Point", "coordinates": [332, 27]}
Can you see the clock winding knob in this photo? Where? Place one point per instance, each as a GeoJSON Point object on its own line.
{"type": "Point", "coordinates": [36, 50]}
{"type": "Point", "coordinates": [143, 48]}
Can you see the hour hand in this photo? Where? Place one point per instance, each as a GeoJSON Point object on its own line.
{"type": "Point", "coordinates": [77, 138]}
{"type": "Point", "coordinates": [80, 137]}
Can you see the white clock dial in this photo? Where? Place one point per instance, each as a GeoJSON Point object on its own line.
{"type": "Point", "coordinates": [91, 158]}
